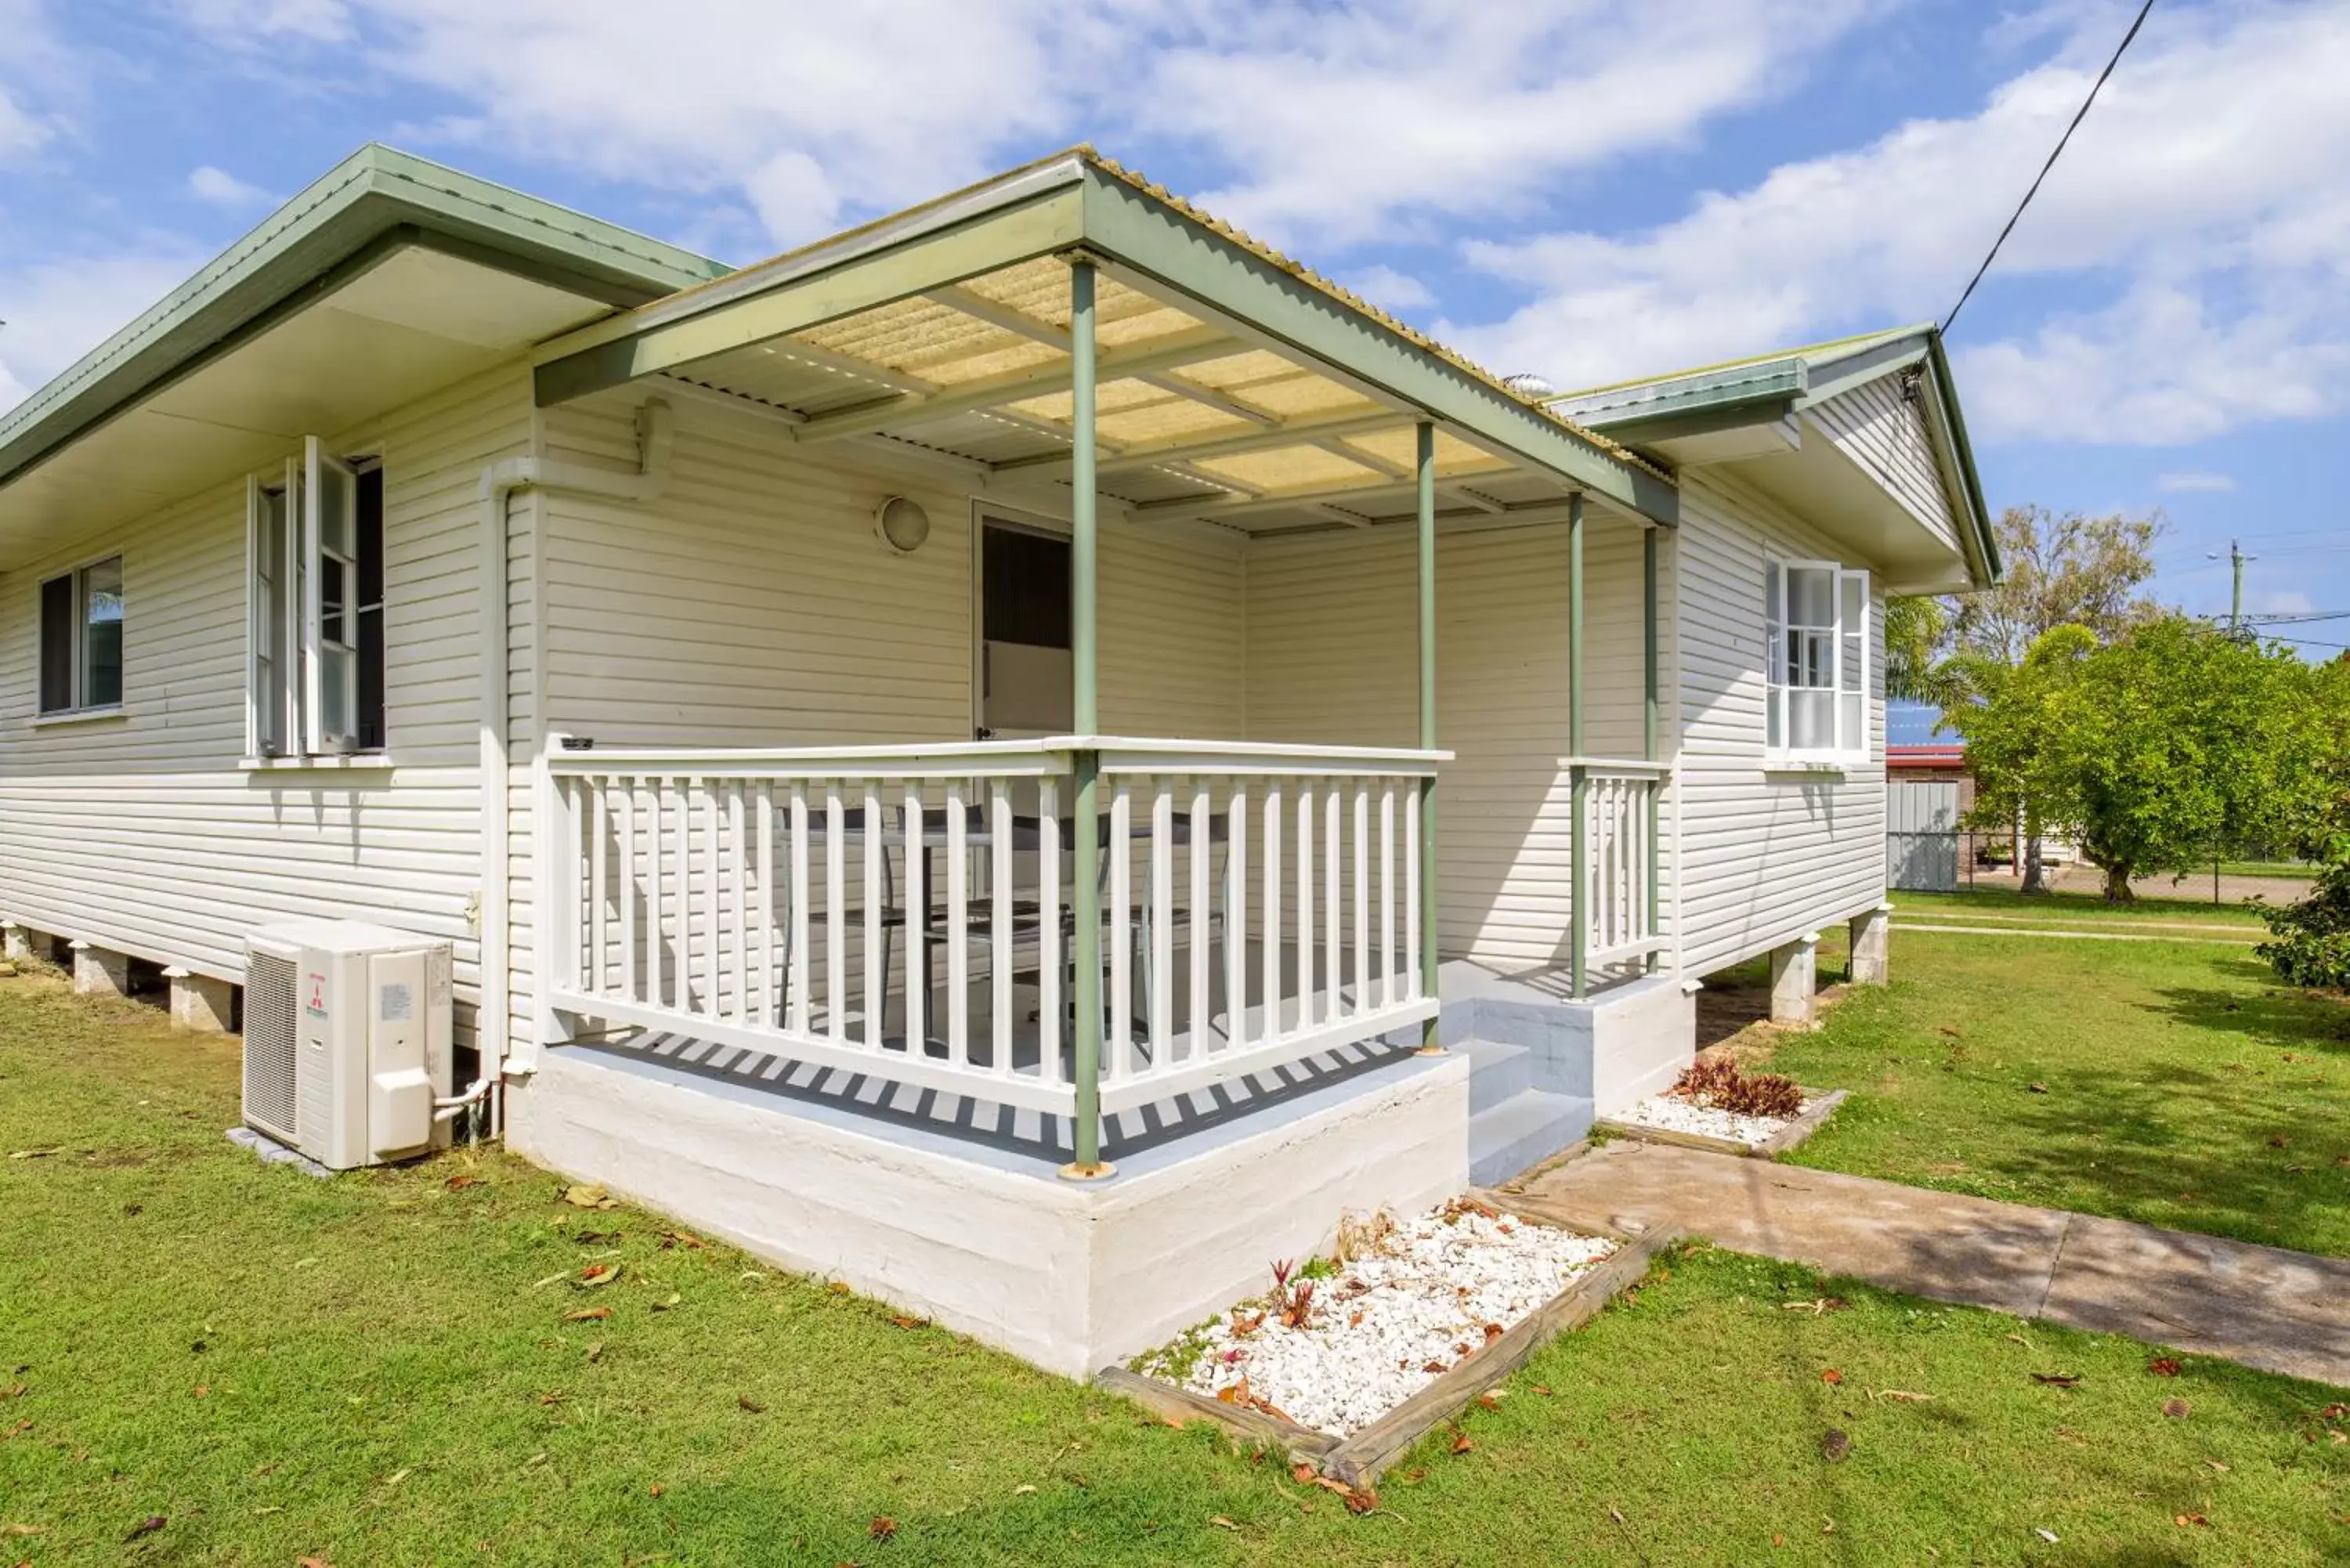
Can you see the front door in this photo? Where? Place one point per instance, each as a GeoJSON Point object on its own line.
{"type": "Point", "coordinates": [1026, 673]}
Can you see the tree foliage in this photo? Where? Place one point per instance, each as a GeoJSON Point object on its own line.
{"type": "Point", "coordinates": [2153, 750]}
{"type": "Point", "coordinates": [2309, 942]}
{"type": "Point", "coordinates": [2061, 569]}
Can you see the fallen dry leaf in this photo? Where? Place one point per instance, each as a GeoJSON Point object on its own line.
{"type": "Point", "coordinates": [458, 1184]}
{"type": "Point", "coordinates": [681, 1239]}
{"type": "Point", "coordinates": [147, 1526]}
{"type": "Point", "coordinates": [1219, 1521]}
{"type": "Point", "coordinates": [312, 1563]}
{"type": "Point", "coordinates": [1460, 1443]}
{"type": "Point", "coordinates": [589, 1314]}
{"type": "Point", "coordinates": [1834, 1444]}
{"type": "Point", "coordinates": [595, 1352]}
{"type": "Point", "coordinates": [20, 1529]}
{"type": "Point", "coordinates": [1494, 1331]}
{"type": "Point", "coordinates": [1023, 1489]}
{"type": "Point", "coordinates": [2186, 1519]}
{"type": "Point", "coordinates": [588, 1195]}
{"type": "Point", "coordinates": [2163, 1367]}
{"type": "Point", "coordinates": [2039, 1089]}
{"type": "Point", "coordinates": [1489, 1401]}
{"type": "Point", "coordinates": [2217, 1466]}
{"type": "Point", "coordinates": [655, 1490]}
{"type": "Point", "coordinates": [2175, 1408]}
{"type": "Point", "coordinates": [596, 1238]}
{"type": "Point", "coordinates": [1433, 1366]}
{"type": "Point", "coordinates": [752, 1405]}
{"type": "Point", "coordinates": [1542, 1389]}
{"type": "Point", "coordinates": [902, 1321]}
{"type": "Point", "coordinates": [883, 1528]}
{"type": "Point", "coordinates": [2058, 1379]}
{"type": "Point", "coordinates": [839, 1287]}
{"type": "Point", "coordinates": [35, 1153]}
{"type": "Point", "coordinates": [1902, 1395]}
{"type": "Point", "coordinates": [1831, 1375]}
{"type": "Point", "coordinates": [596, 1274]}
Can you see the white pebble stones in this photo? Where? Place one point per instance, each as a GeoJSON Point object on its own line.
{"type": "Point", "coordinates": [1413, 1300]}
{"type": "Point", "coordinates": [1673, 1113]}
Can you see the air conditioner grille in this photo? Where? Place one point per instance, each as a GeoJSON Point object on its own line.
{"type": "Point", "coordinates": [269, 1041]}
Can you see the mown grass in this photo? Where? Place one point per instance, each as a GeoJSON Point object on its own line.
{"type": "Point", "coordinates": [2173, 1082]}
{"type": "Point", "coordinates": [378, 1369]}
{"type": "Point", "coordinates": [2063, 908]}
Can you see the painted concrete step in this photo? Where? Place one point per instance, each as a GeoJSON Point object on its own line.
{"type": "Point", "coordinates": [1521, 1132]}
{"type": "Point", "coordinates": [1497, 1071]}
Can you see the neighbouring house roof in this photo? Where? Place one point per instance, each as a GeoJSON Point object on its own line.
{"type": "Point", "coordinates": [1759, 389]}
{"type": "Point", "coordinates": [1925, 756]}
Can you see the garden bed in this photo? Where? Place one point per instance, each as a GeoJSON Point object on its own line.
{"type": "Point", "coordinates": [1668, 1118]}
{"type": "Point", "coordinates": [1350, 1359]}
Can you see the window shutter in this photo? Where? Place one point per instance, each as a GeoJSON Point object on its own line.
{"type": "Point", "coordinates": [1852, 660]}
{"type": "Point", "coordinates": [330, 587]}
{"type": "Point", "coordinates": [1775, 654]}
{"type": "Point", "coordinates": [256, 607]}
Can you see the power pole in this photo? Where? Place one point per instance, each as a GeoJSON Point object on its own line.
{"type": "Point", "coordinates": [2238, 561]}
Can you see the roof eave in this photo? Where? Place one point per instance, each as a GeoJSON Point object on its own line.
{"type": "Point", "coordinates": [374, 202]}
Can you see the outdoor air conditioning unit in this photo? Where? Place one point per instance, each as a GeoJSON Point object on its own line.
{"type": "Point", "coordinates": [346, 1040]}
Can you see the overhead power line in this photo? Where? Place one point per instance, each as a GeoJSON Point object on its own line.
{"type": "Point", "coordinates": [2083, 114]}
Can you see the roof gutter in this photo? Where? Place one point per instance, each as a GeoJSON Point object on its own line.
{"type": "Point", "coordinates": [367, 208]}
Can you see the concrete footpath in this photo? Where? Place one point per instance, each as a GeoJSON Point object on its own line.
{"type": "Point", "coordinates": [2264, 1306]}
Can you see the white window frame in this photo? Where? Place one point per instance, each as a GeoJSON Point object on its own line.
{"type": "Point", "coordinates": [78, 705]}
{"type": "Point", "coordinates": [287, 612]}
{"type": "Point", "coordinates": [1848, 634]}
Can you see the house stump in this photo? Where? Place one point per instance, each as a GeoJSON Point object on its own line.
{"type": "Point", "coordinates": [100, 972]}
{"type": "Point", "coordinates": [199, 1002]}
{"type": "Point", "coordinates": [1794, 982]}
{"type": "Point", "coordinates": [1872, 947]}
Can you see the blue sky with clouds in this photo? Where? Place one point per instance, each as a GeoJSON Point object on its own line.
{"type": "Point", "coordinates": [1588, 189]}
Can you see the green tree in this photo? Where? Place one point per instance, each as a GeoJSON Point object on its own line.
{"type": "Point", "coordinates": [2059, 569]}
{"type": "Point", "coordinates": [2151, 750]}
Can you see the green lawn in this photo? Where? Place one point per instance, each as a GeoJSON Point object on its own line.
{"type": "Point", "coordinates": [2061, 908]}
{"type": "Point", "coordinates": [379, 1369]}
{"type": "Point", "coordinates": [2176, 1081]}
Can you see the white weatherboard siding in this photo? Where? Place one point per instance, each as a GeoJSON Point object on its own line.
{"type": "Point", "coordinates": [1333, 650]}
{"type": "Point", "coordinates": [752, 605]}
{"type": "Point", "coordinates": [142, 833]}
{"type": "Point", "coordinates": [1883, 431]}
{"type": "Point", "coordinates": [1764, 856]}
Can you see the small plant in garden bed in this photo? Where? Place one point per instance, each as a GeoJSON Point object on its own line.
{"type": "Point", "coordinates": [1719, 1085]}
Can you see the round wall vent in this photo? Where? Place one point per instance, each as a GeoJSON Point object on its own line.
{"type": "Point", "coordinates": [902, 524]}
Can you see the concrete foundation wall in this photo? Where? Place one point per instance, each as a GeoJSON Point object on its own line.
{"type": "Point", "coordinates": [1071, 1277]}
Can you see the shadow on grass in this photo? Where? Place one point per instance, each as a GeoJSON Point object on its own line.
{"type": "Point", "coordinates": [2270, 1016]}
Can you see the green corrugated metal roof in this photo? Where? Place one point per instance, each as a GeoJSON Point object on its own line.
{"type": "Point", "coordinates": [376, 196]}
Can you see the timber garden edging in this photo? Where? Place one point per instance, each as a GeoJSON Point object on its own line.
{"type": "Point", "coordinates": [1816, 1115]}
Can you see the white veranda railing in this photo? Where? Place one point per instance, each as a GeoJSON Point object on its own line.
{"type": "Point", "coordinates": [1615, 854]}
{"type": "Point", "coordinates": [911, 912]}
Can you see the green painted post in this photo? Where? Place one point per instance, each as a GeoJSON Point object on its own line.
{"type": "Point", "coordinates": [1085, 896]}
{"type": "Point", "coordinates": [1648, 718]}
{"type": "Point", "coordinates": [1578, 852]}
{"type": "Point", "coordinates": [1425, 458]}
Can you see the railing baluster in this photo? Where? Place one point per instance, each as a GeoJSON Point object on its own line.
{"type": "Point", "coordinates": [1386, 894]}
{"type": "Point", "coordinates": [597, 970]}
{"type": "Point", "coordinates": [1270, 924]}
{"type": "Point", "coordinates": [680, 963]}
{"type": "Point", "coordinates": [769, 1015]}
{"type": "Point", "coordinates": [958, 927]}
{"type": "Point", "coordinates": [738, 860]}
{"type": "Point", "coordinates": [1415, 985]}
{"type": "Point", "coordinates": [654, 993]}
{"type": "Point", "coordinates": [628, 887]}
{"type": "Point", "coordinates": [1162, 921]}
{"type": "Point", "coordinates": [1236, 919]}
{"type": "Point", "coordinates": [1120, 855]}
{"type": "Point", "coordinates": [915, 857]}
{"type": "Point", "coordinates": [713, 916]}
{"type": "Point", "coordinates": [877, 956]}
{"type": "Point", "coordinates": [795, 981]}
{"type": "Point", "coordinates": [1360, 790]}
{"type": "Point", "coordinates": [1202, 924]}
{"type": "Point", "coordinates": [1306, 926]}
{"type": "Point", "coordinates": [1334, 940]}
{"type": "Point", "coordinates": [1048, 931]}
{"type": "Point", "coordinates": [998, 925]}
{"type": "Point", "coordinates": [836, 918]}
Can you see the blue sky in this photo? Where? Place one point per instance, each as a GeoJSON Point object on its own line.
{"type": "Point", "coordinates": [1588, 189]}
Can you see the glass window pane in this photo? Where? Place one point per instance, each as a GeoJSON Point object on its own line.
{"type": "Point", "coordinates": [335, 671]}
{"type": "Point", "coordinates": [1855, 600]}
{"type": "Point", "coordinates": [338, 520]}
{"type": "Point", "coordinates": [1811, 721]}
{"type": "Point", "coordinates": [56, 644]}
{"type": "Point", "coordinates": [1856, 739]}
{"type": "Point", "coordinates": [1774, 703]}
{"type": "Point", "coordinates": [332, 579]}
{"type": "Point", "coordinates": [102, 634]}
{"type": "Point", "coordinates": [1811, 596]}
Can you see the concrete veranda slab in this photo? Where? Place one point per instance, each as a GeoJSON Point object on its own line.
{"type": "Point", "coordinates": [2264, 1306]}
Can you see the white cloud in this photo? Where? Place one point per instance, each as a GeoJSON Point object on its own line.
{"type": "Point", "coordinates": [222, 188]}
{"type": "Point", "coordinates": [1397, 293]}
{"type": "Point", "coordinates": [2279, 602]}
{"type": "Point", "coordinates": [2195, 481]}
{"type": "Point", "coordinates": [39, 78]}
{"type": "Point", "coordinates": [20, 133]}
{"type": "Point", "coordinates": [1334, 125]}
{"type": "Point", "coordinates": [2201, 199]}
{"type": "Point", "coordinates": [57, 311]}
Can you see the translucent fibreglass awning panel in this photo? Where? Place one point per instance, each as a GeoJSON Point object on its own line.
{"type": "Point", "coordinates": [1399, 447]}
{"type": "Point", "coordinates": [1292, 468]}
